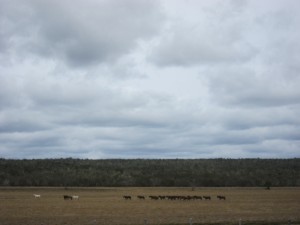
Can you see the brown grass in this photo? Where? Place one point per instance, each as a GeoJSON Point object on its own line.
{"type": "Point", "coordinates": [106, 206]}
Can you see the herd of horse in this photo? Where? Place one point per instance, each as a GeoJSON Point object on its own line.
{"type": "Point", "coordinates": [66, 197]}
{"type": "Point", "coordinates": [174, 197]}
{"type": "Point", "coordinates": [71, 197]}
{"type": "Point", "coordinates": [152, 197]}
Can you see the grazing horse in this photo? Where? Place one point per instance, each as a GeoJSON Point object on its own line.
{"type": "Point", "coordinates": [207, 197]}
{"type": "Point", "coordinates": [153, 197]}
{"type": "Point", "coordinates": [141, 197]}
{"type": "Point", "coordinates": [127, 197]}
{"type": "Point", "coordinates": [68, 197]}
{"type": "Point", "coordinates": [36, 196]}
{"type": "Point", "coordinates": [221, 197]}
{"type": "Point", "coordinates": [196, 197]}
{"type": "Point", "coordinates": [75, 197]}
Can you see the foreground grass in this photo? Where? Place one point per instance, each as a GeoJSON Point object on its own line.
{"type": "Point", "coordinates": [254, 206]}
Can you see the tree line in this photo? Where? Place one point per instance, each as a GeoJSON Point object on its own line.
{"type": "Point", "coordinates": [150, 172]}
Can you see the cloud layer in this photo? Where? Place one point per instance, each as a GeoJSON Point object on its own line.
{"type": "Point", "coordinates": [153, 79]}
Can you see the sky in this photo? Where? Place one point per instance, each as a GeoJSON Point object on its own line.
{"type": "Point", "coordinates": [104, 79]}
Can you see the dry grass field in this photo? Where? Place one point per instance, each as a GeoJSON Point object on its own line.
{"type": "Point", "coordinates": [105, 206]}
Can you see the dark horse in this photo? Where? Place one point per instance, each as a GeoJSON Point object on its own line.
{"type": "Point", "coordinates": [68, 197]}
{"type": "Point", "coordinates": [221, 197]}
{"type": "Point", "coordinates": [207, 197]}
{"type": "Point", "coordinates": [127, 197]}
{"type": "Point", "coordinates": [141, 197]}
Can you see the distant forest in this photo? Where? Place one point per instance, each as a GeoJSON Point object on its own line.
{"type": "Point", "coordinates": [150, 172]}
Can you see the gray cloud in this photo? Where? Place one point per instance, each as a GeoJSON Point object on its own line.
{"type": "Point", "coordinates": [134, 79]}
{"type": "Point", "coordinates": [76, 32]}
{"type": "Point", "coordinates": [211, 34]}
{"type": "Point", "coordinates": [198, 48]}
{"type": "Point", "coordinates": [242, 86]}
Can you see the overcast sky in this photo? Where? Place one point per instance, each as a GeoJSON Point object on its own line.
{"type": "Point", "coordinates": [149, 79]}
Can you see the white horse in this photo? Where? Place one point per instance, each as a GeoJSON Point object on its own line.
{"type": "Point", "coordinates": [75, 197]}
{"type": "Point", "coordinates": [36, 196]}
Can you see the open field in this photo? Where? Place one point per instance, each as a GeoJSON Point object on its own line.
{"type": "Point", "coordinates": [106, 206]}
